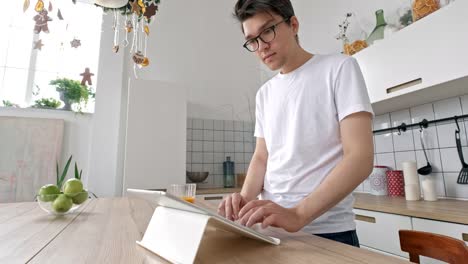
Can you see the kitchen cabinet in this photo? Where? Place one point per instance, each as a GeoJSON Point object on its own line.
{"type": "Point", "coordinates": [449, 229]}
{"type": "Point", "coordinates": [380, 230]}
{"type": "Point", "coordinates": [425, 61]}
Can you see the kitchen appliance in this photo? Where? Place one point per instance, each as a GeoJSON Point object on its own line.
{"type": "Point", "coordinates": [463, 175]}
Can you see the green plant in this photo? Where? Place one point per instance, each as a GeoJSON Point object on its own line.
{"type": "Point", "coordinates": [47, 103]}
{"type": "Point", "coordinates": [8, 103]}
{"type": "Point", "coordinates": [73, 92]}
{"type": "Point", "coordinates": [61, 177]}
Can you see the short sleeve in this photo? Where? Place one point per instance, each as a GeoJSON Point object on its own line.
{"type": "Point", "coordinates": [259, 117]}
{"type": "Point", "coordinates": [350, 90]}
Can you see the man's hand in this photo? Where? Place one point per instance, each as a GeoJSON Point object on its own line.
{"type": "Point", "coordinates": [271, 214]}
{"type": "Point", "coordinates": [231, 205]}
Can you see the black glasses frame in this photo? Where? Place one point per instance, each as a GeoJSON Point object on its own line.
{"type": "Point", "coordinates": [273, 27]}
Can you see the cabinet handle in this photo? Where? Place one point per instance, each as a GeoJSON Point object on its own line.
{"type": "Point", "coordinates": [213, 198]}
{"type": "Point", "coordinates": [404, 85]}
{"type": "Point", "coordinates": [365, 218]}
{"type": "Point", "coordinates": [465, 237]}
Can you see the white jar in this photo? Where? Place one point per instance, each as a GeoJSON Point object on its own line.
{"type": "Point", "coordinates": [378, 180]}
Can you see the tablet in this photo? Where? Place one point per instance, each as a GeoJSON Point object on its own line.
{"type": "Point", "coordinates": [160, 198]}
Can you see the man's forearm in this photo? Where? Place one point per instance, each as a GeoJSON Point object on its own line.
{"type": "Point", "coordinates": [253, 184]}
{"type": "Point", "coordinates": [342, 180]}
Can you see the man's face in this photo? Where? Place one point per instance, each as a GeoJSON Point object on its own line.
{"type": "Point", "coordinates": [274, 54]}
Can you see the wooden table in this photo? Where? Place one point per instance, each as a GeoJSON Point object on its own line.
{"type": "Point", "coordinates": [105, 231]}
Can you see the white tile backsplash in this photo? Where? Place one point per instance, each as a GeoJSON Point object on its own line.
{"type": "Point", "coordinates": [197, 146]}
{"type": "Point", "coordinates": [431, 139]}
{"type": "Point", "coordinates": [238, 136]}
{"type": "Point", "coordinates": [208, 124]}
{"type": "Point", "coordinates": [248, 136]}
{"type": "Point", "coordinates": [189, 134]}
{"type": "Point", "coordinates": [450, 160]}
{"type": "Point", "coordinates": [229, 125]}
{"type": "Point", "coordinates": [197, 157]}
{"type": "Point", "coordinates": [208, 146]}
{"type": "Point", "coordinates": [189, 123]}
{"type": "Point", "coordinates": [402, 157]}
{"type": "Point", "coordinates": [386, 159]}
{"type": "Point", "coordinates": [454, 189]}
{"type": "Point", "coordinates": [229, 146]}
{"type": "Point", "coordinates": [188, 145]}
{"type": "Point", "coordinates": [382, 121]}
{"type": "Point", "coordinates": [228, 136]}
{"type": "Point", "coordinates": [197, 134]}
{"type": "Point", "coordinates": [403, 141]}
{"type": "Point", "coordinates": [208, 157]}
{"type": "Point", "coordinates": [391, 149]}
{"type": "Point", "coordinates": [197, 124]}
{"type": "Point", "coordinates": [208, 135]}
{"type": "Point", "coordinates": [238, 157]}
{"type": "Point", "coordinates": [420, 112]}
{"type": "Point", "coordinates": [219, 125]}
{"type": "Point", "coordinates": [238, 147]}
{"type": "Point", "coordinates": [238, 126]}
{"type": "Point", "coordinates": [218, 136]}
{"type": "Point", "coordinates": [219, 158]}
{"type": "Point", "coordinates": [383, 143]}
{"type": "Point", "coordinates": [446, 134]}
{"type": "Point", "coordinates": [218, 147]}
{"type": "Point", "coordinates": [447, 108]}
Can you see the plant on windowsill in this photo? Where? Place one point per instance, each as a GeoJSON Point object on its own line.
{"type": "Point", "coordinates": [7, 103]}
{"type": "Point", "coordinates": [47, 103]}
{"type": "Point", "coordinates": [72, 92]}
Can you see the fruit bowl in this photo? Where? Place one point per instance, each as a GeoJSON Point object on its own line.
{"type": "Point", "coordinates": [61, 204]}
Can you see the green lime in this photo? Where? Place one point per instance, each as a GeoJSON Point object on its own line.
{"type": "Point", "coordinates": [62, 204]}
{"type": "Point", "coordinates": [80, 198]}
{"type": "Point", "coordinates": [47, 193]}
{"type": "Point", "coordinates": [72, 187]}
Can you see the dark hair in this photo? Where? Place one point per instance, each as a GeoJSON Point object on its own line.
{"type": "Point", "coordinates": [245, 9]}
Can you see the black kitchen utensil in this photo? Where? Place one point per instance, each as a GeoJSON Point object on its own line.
{"type": "Point", "coordinates": [426, 170]}
{"type": "Point", "coordinates": [463, 176]}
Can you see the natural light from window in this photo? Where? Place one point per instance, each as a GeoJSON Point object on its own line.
{"type": "Point", "coordinates": [25, 72]}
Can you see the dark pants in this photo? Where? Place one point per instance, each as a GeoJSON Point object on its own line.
{"type": "Point", "coordinates": [347, 237]}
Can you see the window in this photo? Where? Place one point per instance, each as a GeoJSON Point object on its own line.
{"type": "Point", "coordinates": [25, 72]}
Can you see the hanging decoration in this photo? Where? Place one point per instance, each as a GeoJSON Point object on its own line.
{"type": "Point", "coordinates": [26, 5]}
{"type": "Point", "coordinates": [39, 6]}
{"type": "Point", "coordinates": [75, 43]}
{"type": "Point", "coordinates": [50, 8]}
{"type": "Point", "coordinates": [139, 15]}
{"type": "Point", "coordinates": [38, 44]}
{"type": "Point", "coordinates": [59, 14]}
{"type": "Point", "coordinates": [42, 18]}
{"type": "Point", "coordinates": [87, 77]}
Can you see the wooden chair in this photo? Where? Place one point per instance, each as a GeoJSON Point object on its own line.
{"type": "Point", "coordinates": [432, 245]}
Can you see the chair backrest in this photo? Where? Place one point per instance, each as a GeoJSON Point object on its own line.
{"type": "Point", "coordinates": [432, 245]}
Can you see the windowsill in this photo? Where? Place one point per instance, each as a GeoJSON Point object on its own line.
{"type": "Point", "coordinates": [39, 112]}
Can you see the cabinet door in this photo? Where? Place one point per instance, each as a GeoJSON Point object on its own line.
{"type": "Point", "coordinates": [429, 52]}
{"type": "Point", "coordinates": [457, 231]}
{"type": "Point", "coordinates": [380, 230]}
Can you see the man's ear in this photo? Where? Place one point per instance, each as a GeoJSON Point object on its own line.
{"type": "Point", "coordinates": [294, 23]}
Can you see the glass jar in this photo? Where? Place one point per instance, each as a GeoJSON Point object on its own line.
{"type": "Point", "coordinates": [351, 35]}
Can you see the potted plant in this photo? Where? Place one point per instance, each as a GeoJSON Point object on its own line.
{"type": "Point", "coordinates": [72, 92]}
{"type": "Point", "coordinates": [49, 103]}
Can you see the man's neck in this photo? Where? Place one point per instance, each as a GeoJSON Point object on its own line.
{"type": "Point", "coordinates": [296, 60]}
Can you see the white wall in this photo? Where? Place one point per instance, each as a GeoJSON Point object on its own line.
{"type": "Point", "coordinates": [198, 45]}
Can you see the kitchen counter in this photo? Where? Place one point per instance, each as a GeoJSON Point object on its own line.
{"type": "Point", "coordinates": [448, 210]}
{"type": "Point", "coordinates": [105, 231]}
{"type": "Point", "coordinates": [201, 191]}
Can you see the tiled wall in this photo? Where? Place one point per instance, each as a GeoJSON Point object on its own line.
{"type": "Point", "coordinates": [210, 141]}
{"type": "Point", "coordinates": [392, 149]}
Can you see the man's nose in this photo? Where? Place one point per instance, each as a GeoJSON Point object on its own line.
{"type": "Point", "coordinates": [262, 45]}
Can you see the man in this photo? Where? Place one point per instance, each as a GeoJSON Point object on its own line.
{"type": "Point", "coordinates": [313, 128]}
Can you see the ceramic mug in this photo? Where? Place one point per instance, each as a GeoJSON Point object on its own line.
{"type": "Point", "coordinates": [395, 183]}
{"type": "Point", "coordinates": [378, 180]}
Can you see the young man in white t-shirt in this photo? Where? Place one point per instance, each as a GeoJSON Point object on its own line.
{"type": "Point", "coordinates": [313, 128]}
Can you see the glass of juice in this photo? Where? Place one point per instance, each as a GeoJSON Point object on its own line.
{"type": "Point", "coordinates": [183, 191]}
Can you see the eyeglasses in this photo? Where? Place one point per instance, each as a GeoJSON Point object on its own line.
{"type": "Point", "coordinates": [266, 36]}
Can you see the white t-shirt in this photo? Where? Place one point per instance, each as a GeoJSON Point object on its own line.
{"type": "Point", "coordinates": [298, 114]}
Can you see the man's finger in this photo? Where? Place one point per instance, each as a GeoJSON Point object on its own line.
{"type": "Point", "coordinates": [247, 215]}
{"type": "Point", "coordinates": [221, 208]}
{"type": "Point", "coordinates": [236, 200]}
{"type": "Point", "coordinates": [251, 205]}
{"type": "Point", "coordinates": [228, 207]}
{"type": "Point", "coordinates": [258, 216]}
